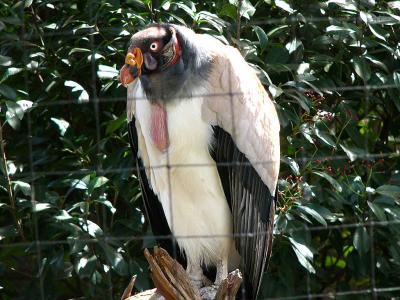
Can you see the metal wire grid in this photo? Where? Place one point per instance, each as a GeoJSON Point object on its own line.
{"type": "Point", "coordinates": [374, 291]}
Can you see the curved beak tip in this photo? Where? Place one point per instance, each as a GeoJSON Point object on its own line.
{"type": "Point", "coordinates": [125, 76]}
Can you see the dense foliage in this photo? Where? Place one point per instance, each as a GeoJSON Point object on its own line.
{"type": "Point", "coordinates": [70, 208]}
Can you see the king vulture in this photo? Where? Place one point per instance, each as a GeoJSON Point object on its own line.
{"type": "Point", "coordinates": [206, 138]}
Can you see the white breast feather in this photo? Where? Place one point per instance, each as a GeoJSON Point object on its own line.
{"type": "Point", "coordinates": [191, 192]}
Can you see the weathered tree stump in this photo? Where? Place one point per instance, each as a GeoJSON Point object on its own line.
{"type": "Point", "coordinates": [173, 283]}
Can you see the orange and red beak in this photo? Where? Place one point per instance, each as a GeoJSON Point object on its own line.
{"type": "Point", "coordinates": [132, 67]}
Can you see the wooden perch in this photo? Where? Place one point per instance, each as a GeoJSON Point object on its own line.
{"type": "Point", "coordinates": [173, 283]}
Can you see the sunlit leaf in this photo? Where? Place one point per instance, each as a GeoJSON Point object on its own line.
{"type": "Point", "coordinates": [38, 207]}
{"type": "Point", "coordinates": [325, 137]}
{"type": "Point", "coordinates": [5, 61]}
{"type": "Point", "coordinates": [304, 255]}
{"type": "Point", "coordinates": [284, 5]}
{"type": "Point", "coordinates": [83, 96]}
{"type": "Point", "coordinates": [22, 186]}
{"type": "Point", "coordinates": [96, 183]}
{"type": "Point", "coordinates": [331, 180]}
{"type": "Point", "coordinates": [292, 164]}
{"type": "Point", "coordinates": [107, 72]}
{"type": "Point", "coordinates": [61, 124]}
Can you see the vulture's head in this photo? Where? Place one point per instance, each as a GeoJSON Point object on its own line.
{"type": "Point", "coordinates": [151, 51]}
{"type": "Point", "coordinates": [164, 57]}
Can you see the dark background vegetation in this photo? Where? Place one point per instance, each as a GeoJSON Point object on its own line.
{"type": "Point", "coordinates": [70, 208]}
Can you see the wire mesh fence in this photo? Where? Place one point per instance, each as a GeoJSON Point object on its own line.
{"type": "Point", "coordinates": [378, 219]}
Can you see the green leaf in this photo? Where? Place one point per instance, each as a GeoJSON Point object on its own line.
{"type": "Point", "coordinates": [361, 240]}
{"type": "Point", "coordinates": [25, 104]}
{"type": "Point", "coordinates": [284, 5]}
{"type": "Point", "coordinates": [378, 32]}
{"type": "Point", "coordinates": [325, 137]}
{"type": "Point", "coordinates": [331, 180]}
{"type": "Point", "coordinates": [302, 100]}
{"type": "Point", "coordinates": [5, 61]}
{"type": "Point", "coordinates": [229, 10]}
{"type": "Point", "coordinates": [306, 132]}
{"type": "Point", "coordinates": [277, 31]}
{"type": "Point", "coordinates": [262, 37]}
{"type": "Point", "coordinates": [115, 259]}
{"type": "Point", "coordinates": [352, 152]}
{"type": "Point", "coordinates": [107, 204]}
{"type": "Point", "coordinates": [86, 266]}
{"type": "Point", "coordinates": [61, 124]}
{"type": "Point", "coordinates": [63, 216]}
{"type": "Point", "coordinates": [396, 79]}
{"type": "Point", "coordinates": [378, 211]}
{"type": "Point", "coordinates": [292, 164]}
{"type": "Point", "coordinates": [116, 124]}
{"type": "Point", "coordinates": [96, 183]}
{"type": "Point", "coordinates": [361, 68]}
{"type": "Point", "coordinates": [24, 187]}
{"type": "Point", "coordinates": [107, 72]}
{"type": "Point", "coordinates": [377, 62]}
{"type": "Point", "coordinates": [392, 191]}
{"type": "Point", "coordinates": [38, 207]}
{"type": "Point", "coordinates": [345, 4]}
{"type": "Point", "coordinates": [292, 45]}
{"type": "Point", "coordinates": [28, 3]}
{"type": "Point", "coordinates": [79, 184]}
{"type": "Point", "coordinates": [8, 231]}
{"type": "Point", "coordinates": [304, 255]}
{"type": "Point", "coordinates": [7, 91]}
{"type": "Point", "coordinates": [339, 29]}
{"type": "Point", "coordinates": [323, 211]}
{"type": "Point", "coordinates": [246, 8]}
{"type": "Point", "coordinates": [79, 50]}
{"type": "Point", "coordinates": [277, 55]}
{"type": "Point", "coordinates": [91, 228]}
{"type": "Point", "coordinates": [10, 72]}
{"type": "Point", "coordinates": [83, 96]}
{"type": "Point", "coordinates": [14, 114]}
{"type": "Point", "coordinates": [313, 213]}
{"type": "Point", "coordinates": [366, 17]}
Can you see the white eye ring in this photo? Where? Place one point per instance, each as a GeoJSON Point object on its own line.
{"type": "Point", "coordinates": [154, 46]}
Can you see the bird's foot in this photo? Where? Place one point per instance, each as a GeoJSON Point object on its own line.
{"type": "Point", "coordinates": [208, 292]}
{"type": "Point", "coordinates": [200, 283]}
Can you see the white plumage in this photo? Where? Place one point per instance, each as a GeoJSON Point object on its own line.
{"type": "Point", "coordinates": [191, 193]}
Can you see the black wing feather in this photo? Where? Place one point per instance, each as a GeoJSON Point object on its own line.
{"type": "Point", "coordinates": [253, 209]}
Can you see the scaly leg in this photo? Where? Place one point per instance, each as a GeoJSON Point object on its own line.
{"type": "Point", "coordinates": [209, 292]}
{"type": "Point", "coordinates": [222, 270]}
{"type": "Point", "coordinates": [195, 273]}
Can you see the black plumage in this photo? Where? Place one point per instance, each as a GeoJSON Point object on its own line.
{"type": "Point", "coordinates": [252, 206]}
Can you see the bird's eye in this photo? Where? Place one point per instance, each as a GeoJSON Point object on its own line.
{"type": "Point", "coordinates": [154, 46]}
